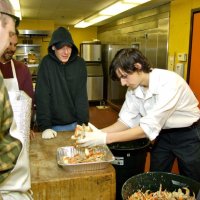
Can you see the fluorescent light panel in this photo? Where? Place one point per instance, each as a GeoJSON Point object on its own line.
{"type": "Point", "coordinates": [82, 24]}
{"type": "Point", "coordinates": [97, 18]}
{"type": "Point", "coordinates": [117, 8]}
{"type": "Point", "coordinates": [110, 11]}
{"type": "Point", "coordinates": [136, 1]}
{"type": "Point", "coordinates": [17, 9]}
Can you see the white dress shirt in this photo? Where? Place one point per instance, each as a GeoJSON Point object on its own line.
{"type": "Point", "coordinates": [167, 103]}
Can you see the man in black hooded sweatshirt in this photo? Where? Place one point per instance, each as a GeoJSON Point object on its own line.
{"type": "Point", "coordinates": [61, 88]}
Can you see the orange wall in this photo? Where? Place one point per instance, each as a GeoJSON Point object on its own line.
{"type": "Point", "coordinates": [194, 80]}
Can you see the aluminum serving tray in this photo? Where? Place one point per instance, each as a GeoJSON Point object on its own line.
{"type": "Point", "coordinates": [70, 151]}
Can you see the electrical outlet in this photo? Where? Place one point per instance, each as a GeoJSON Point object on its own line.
{"type": "Point", "coordinates": [180, 69]}
{"type": "Point", "coordinates": [182, 57]}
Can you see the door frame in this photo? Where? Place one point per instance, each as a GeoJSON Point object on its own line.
{"type": "Point", "coordinates": [193, 12]}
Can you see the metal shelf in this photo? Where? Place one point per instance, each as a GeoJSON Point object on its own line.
{"type": "Point", "coordinates": [32, 65]}
{"type": "Point", "coordinates": [28, 45]}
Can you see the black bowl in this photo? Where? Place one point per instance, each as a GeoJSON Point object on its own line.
{"type": "Point", "coordinates": [152, 180]}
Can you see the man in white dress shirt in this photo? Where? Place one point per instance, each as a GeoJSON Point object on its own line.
{"type": "Point", "coordinates": [160, 106]}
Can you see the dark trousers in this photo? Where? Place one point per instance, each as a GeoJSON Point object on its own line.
{"type": "Point", "coordinates": [180, 143]}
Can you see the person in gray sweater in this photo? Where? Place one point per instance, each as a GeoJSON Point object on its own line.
{"type": "Point", "coordinates": [61, 87]}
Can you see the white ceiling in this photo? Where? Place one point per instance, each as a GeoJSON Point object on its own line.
{"type": "Point", "coordinates": [70, 12]}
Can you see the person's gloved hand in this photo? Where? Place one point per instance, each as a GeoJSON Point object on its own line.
{"type": "Point", "coordinates": [92, 139]}
{"type": "Point", "coordinates": [95, 138]}
{"type": "Point", "coordinates": [48, 134]}
{"type": "Point", "coordinates": [93, 128]}
{"type": "Point", "coordinates": [79, 132]}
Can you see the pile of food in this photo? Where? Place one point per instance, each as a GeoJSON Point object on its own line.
{"type": "Point", "coordinates": [32, 58]}
{"type": "Point", "coordinates": [89, 155]}
{"type": "Point", "coordinates": [181, 194]}
{"type": "Point", "coordinates": [79, 132]}
{"type": "Point", "coordinates": [83, 155]}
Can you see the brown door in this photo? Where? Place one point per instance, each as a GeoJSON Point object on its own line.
{"type": "Point", "coordinates": [194, 55]}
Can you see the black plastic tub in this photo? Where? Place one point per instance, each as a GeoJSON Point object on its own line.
{"type": "Point", "coordinates": [130, 158]}
{"type": "Point", "coordinates": [152, 180]}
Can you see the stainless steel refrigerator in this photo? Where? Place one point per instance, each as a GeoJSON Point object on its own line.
{"type": "Point", "coordinates": [114, 93]}
{"type": "Point", "coordinates": [90, 51]}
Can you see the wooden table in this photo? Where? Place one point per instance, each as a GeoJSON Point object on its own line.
{"type": "Point", "coordinates": [51, 182]}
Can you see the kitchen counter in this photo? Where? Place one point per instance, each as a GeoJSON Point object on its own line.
{"type": "Point", "coordinates": [51, 182]}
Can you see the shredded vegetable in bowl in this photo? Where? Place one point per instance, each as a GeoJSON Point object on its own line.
{"type": "Point", "coordinates": [181, 194]}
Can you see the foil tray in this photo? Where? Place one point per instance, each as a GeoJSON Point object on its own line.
{"type": "Point", "coordinates": [70, 151]}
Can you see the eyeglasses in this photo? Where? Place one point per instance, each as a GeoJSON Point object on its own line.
{"type": "Point", "coordinates": [16, 19]}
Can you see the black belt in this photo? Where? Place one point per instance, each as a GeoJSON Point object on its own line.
{"type": "Point", "coordinates": [194, 125]}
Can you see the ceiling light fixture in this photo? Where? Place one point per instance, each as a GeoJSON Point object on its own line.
{"type": "Point", "coordinates": [112, 10]}
{"type": "Point", "coordinates": [97, 18]}
{"type": "Point", "coordinates": [16, 7]}
{"type": "Point", "coordinates": [117, 8]}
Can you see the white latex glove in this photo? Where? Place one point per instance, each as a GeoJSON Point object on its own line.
{"type": "Point", "coordinates": [48, 134]}
{"type": "Point", "coordinates": [92, 139]}
{"type": "Point", "coordinates": [78, 127]}
{"type": "Point", "coordinates": [93, 128]}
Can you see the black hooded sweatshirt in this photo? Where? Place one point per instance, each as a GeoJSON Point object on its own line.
{"type": "Point", "coordinates": [61, 89]}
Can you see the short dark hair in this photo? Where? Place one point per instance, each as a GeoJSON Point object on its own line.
{"type": "Point", "coordinates": [16, 32]}
{"type": "Point", "coordinates": [125, 60]}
